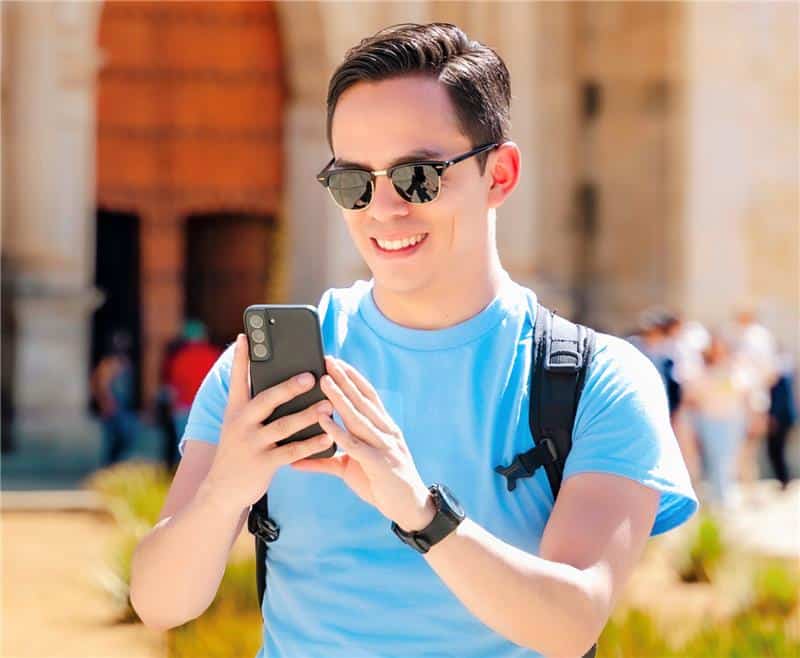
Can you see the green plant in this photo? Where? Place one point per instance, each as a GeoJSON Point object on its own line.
{"type": "Point", "coordinates": [238, 586]}
{"type": "Point", "coordinates": [746, 636]}
{"type": "Point", "coordinates": [232, 626]}
{"type": "Point", "coordinates": [227, 632]}
{"type": "Point", "coordinates": [776, 589]}
{"type": "Point", "coordinates": [706, 551]}
{"type": "Point", "coordinates": [632, 634]}
{"type": "Point", "coordinates": [134, 492]}
{"type": "Point", "coordinates": [115, 577]}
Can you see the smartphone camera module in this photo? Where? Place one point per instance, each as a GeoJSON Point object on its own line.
{"type": "Point", "coordinates": [255, 321]}
{"type": "Point", "coordinates": [258, 335]}
{"type": "Point", "coordinates": [259, 351]}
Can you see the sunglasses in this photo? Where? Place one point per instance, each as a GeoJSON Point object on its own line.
{"type": "Point", "coordinates": [416, 182]}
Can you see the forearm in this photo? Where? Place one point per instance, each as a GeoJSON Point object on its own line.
{"type": "Point", "coordinates": [178, 566]}
{"type": "Point", "coordinates": [544, 605]}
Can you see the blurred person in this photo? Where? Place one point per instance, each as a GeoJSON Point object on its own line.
{"type": "Point", "coordinates": [649, 337]}
{"type": "Point", "coordinates": [681, 361]}
{"type": "Point", "coordinates": [185, 371]}
{"type": "Point", "coordinates": [164, 405]}
{"type": "Point", "coordinates": [428, 371]}
{"type": "Point", "coordinates": [112, 385]}
{"type": "Point", "coordinates": [753, 344]}
{"type": "Point", "coordinates": [782, 417]}
{"type": "Point", "coordinates": [719, 399]}
{"type": "Point", "coordinates": [754, 347]}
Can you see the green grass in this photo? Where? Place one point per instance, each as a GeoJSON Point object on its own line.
{"type": "Point", "coordinates": [705, 553]}
{"type": "Point", "coordinates": [134, 492]}
{"type": "Point", "coordinates": [776, 589]}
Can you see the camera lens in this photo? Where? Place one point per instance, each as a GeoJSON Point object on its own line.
{"type": "Point", "coordinates": [256, 321]}
{"type": "Point", "coordinates": [258, 335]}
{"type": "Point", "coordinates": [260, 351]}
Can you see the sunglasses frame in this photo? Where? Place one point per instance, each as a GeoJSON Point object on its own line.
{"type": "Point", "coordinates": [440, 166]}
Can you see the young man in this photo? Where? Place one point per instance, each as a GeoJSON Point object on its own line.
{"type": "Point", "coordinates": [429, 369]}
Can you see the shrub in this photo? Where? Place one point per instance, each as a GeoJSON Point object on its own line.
{"type": "Point", "coordinates": [633, 634]}
{"type": "Point", "coordinates": [776, 588]}
{"type": "Point", "coordinates": [231, 627]}
{"type": "Point", "coordinates": [706, 550]}
{"type": "Point", "coordinates": [745, 636]}
{"type": "Point", "coordinates": [227, 632]}
{"type": "Point", "coordinates": [134, 492]}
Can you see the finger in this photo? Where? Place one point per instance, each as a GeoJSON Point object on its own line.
{"type": "Point", "coordinates": [263, 404]}
{"type": "Point", "coordinates": [366, 389]}
{"type": "Point", "coordinates": [239, 392]}
{"type": "Point", "coordinates": [353, 419]}
{"type": "Point", "coordinates": [367, 397]}
{"type": "Point", "coordinates": [286, 426]}
{"type": "Point", "coordinates": [333, 466]}
{"type": "Point", "coordinates": [359, 450]}
{"type": "Point", "coordinates": [297, 450]}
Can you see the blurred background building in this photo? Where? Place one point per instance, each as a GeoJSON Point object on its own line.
{"type": "Point", "coordinates": [159, 161]}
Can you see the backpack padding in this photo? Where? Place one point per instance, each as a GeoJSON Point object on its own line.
{"type": "Point", "coordinates": [562, 353]}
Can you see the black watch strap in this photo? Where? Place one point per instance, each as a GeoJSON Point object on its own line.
{"type": "Point", "coordinates": [448, 516]}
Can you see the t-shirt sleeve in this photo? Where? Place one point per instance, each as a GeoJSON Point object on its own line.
{"type": "Point", "coordinates": [208, 407]}
{"type": "Point", "coordinates": [622, 427]}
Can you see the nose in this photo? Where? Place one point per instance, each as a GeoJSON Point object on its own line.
{"type": "Point", "coordinates": [387, 203]}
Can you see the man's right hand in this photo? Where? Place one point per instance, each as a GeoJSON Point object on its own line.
{"type": "Point", "coordinates": [247, 456]}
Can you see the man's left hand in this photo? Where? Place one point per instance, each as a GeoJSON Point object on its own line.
{"type": "Point", "coordinates": [377, 465]}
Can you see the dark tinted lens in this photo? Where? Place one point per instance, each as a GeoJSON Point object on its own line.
{"type": "Point", "coordinates": [351, 189]}
{"type": "Point", "coordinates": [416, 183]}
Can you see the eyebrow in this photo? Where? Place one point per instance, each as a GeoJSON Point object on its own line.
{"type": "Point", "coordinates": [418, 154]}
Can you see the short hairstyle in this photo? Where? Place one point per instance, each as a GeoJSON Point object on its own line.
{"type": "Point", "coordinates": [474, 75]}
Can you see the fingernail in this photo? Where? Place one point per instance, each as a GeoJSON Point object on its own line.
{"type": "Point", "coordinates": [325, 408]}
{"type": "Point", "coordinates": [305, 379]}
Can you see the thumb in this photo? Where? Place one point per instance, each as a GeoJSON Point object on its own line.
{"type": "Point", "coordinates": [333, 466]}
{"type": "Point", "coordinates": [239, 392]}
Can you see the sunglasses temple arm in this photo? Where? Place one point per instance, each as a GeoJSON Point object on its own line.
{"type": "Point", "coordinates": [325, 168]}
{"type": "Point", "coordinates": [473, 152]}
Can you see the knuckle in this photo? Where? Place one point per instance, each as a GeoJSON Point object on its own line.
{"type": "Point", "coordinates": [281, 426]}
{"type": "Point", "coordinates": [293, 452]}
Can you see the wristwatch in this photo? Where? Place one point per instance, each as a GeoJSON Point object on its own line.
{"type": "Point", "coordinates": [449, 514]}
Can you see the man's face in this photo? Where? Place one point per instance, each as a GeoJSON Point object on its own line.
{"type": "Point", "coordinates": [378, 124]}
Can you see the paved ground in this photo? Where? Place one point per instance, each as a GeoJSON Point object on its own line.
{"type": "Point", "coordinates": [52, 606]}
{"type": "Point", "coordinates": [766, 519]}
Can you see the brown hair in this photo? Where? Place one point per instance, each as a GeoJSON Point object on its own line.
{"type": "Point", "coordinates": [474, 75]}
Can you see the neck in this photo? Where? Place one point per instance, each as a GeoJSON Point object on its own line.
{"type": "Point", "coordinates": [442, 304]}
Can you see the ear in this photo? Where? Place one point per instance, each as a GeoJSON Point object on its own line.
{"type": "Point", "coordinates": [503, 169]}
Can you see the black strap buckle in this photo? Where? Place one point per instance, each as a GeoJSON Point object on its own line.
{"type": "Point", "coordinates": [263, 527]}
{"type": "Point", "coordinates": [526, 463]}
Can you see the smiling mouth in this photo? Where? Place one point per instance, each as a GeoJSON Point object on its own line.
{"type": "Point", "coordinates": [399, 246]}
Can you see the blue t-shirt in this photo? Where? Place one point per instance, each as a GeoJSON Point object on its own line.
{"type": "Point", "coordinates": [339, 582]}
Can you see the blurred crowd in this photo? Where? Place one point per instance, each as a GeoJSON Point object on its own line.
{"type": "Point", "coordinates": [185, 363]}
{"type": "Point", "coordinates": [730, 390]}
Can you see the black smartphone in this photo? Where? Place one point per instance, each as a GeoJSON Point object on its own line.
{"type": "Point", "coordinates": [284, 340]}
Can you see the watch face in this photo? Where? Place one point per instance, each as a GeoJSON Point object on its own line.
{"type": "Point", "coordinates": [450, 500]}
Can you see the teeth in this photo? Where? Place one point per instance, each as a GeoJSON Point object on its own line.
{"type": "Point", "coordinates": [392, 245]}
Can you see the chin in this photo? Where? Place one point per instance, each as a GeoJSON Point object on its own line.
{"type": "Point", "coordinates": [398, 283]}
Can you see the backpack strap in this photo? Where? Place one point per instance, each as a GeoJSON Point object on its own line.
{"type": "Point", "coordinates": [562, 351]}
{"type": "Point", "coordinates": [265, 531]}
